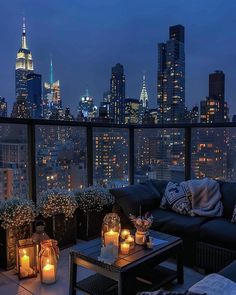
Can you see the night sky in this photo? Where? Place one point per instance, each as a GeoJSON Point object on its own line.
{"type": "Point", "coordinates": [87, 37]}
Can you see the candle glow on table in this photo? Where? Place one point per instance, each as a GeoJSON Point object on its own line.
{"type": "Point", "coordinates": [48, 273]}
{"type": "Point", "coordinates": [124, 248]}
{"type": "Point", "coordinates": [25, 261]}
{"type": "Point", "coordinates": [111, 237]}
{"type": "Point", "coordinates": [124, 234]}
{"type": "Point", "coordinates": [130, 241]}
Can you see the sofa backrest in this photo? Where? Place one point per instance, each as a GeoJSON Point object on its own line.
{"type": "Point", "coordinates": [138, 198]}
{"type": "Point", "coordinates": [228, 197]}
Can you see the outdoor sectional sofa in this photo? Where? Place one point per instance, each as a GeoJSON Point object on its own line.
{"type": "Point", "coordinates": [209, 243]}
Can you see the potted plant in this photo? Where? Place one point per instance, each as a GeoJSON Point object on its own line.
{"type": "Point", "coordinates": [94, 203]}
{"type": "Point", "coordinates": [142, 224]}
{"type": "Point", "coordinates": [16, 217]}
{"type": "Point", "coordinates": [57, 207]}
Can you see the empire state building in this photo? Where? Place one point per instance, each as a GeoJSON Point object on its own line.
{"type": "Point", "coordinates": [24, 66]}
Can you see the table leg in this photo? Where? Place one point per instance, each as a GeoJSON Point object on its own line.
{"type": "Point", "coordinates": [73, 276]}
{"type": "Point", "coordinates": [120, 285]}
{"type": "Point", "coordinates": [180, 264]}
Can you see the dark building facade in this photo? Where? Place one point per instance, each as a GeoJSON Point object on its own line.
{"type": "Point", "coordinates": [171, 77]}
{"type": "Point", "coordinates": [117, 90]}
{"type": "Point", "coordinates": [34, 96]}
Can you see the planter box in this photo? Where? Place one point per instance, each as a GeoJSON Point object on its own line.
{"type": "Point", "coordinates": [90, 223]}
{"type": "Point", "coordinates": [8, 240]}
{"type": "Point", "coordinates": [64, 231]}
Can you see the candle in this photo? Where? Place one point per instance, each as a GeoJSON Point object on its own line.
{"type": "Point", "coordinates": [125, 233]}
{"type": "Point", "coordinates": [124, 248]}
{"type": "Point", "coordinates": [130, 240]}
{"type": "Point", "coordinates": [25, 261]}
{"type": "Point", "coordinates": [48, 275]}
{"type": "Point", "coordinates": [111, 237]}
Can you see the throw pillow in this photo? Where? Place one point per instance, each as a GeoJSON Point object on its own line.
{"type": "Point", "coordinates": [234, 215]}
{"type": "Point", "coordinates": [177, 198]}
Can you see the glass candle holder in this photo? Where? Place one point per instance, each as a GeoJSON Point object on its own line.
{"type": "Point", "coordinates": [111, 229]}
{"type": "Point", "coordinates": [48, 258]}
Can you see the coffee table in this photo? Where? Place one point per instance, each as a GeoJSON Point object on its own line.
{"type": "Point", "coordinates": [138, 270]}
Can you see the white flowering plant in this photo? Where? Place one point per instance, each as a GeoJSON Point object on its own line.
{"type": "Point", "coordinates": [56, 201]}
{"type": "Point", "coordinates": [16, 212]}
{"type": "Point", "coordinates": [94, 198]}
{"type": "Point", "coordinates": [142, 223]}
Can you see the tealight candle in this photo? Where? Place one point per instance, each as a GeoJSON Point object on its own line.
{"type": "Point", "coordinates": [130, 240]}
{"type": "Point", "coordinates": [124, 234]}
{"type": "Point", "coordinates": [124, 248]}
{"type": "Point", "coordinates": [25, 261]}
{"type": "Point", "coordinates": [111, 237]}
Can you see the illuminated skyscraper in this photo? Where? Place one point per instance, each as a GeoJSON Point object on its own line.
{"type": "Point", "coordinates": [52, 96]}
{"type": "Point", "coordinates": [3, 107]}
{"type": "Point", "coordinates": [214, 108]}
{"type": "Point", "coordinates": [210, 145]}
{"type": "Point", "coordinates": [87, 111]}
{"type": "Point", "coordinates": [117, 89]}
{"type": "Point", "coordinates": [131, 111]}
{"type": "Point", "coordinates": [143, 101]}
{"type": "Point", "coordinates": [24, 66]}
{"type": "Point", "coordinates": [144, 96]}
{"type": "Point", "coordinates": [171, 77]}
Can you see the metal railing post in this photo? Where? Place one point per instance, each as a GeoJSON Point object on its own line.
{"type": "Point", "coordinates": [90, 155]}
{"type": "Point", "coordinates": [32, 162]}
{"type": "Point", "coordinates": [188, 152]}
{"type": "Point", "coordinates": [131, 158]}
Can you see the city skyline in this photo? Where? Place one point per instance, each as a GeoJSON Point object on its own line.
{"type": "Point", "coordinates": [133, 81]}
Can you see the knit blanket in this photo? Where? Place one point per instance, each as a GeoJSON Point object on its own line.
{"type": "Point", "coordinates": [214, 284]}
{"type": "Point", "coordinates": [205, 197]}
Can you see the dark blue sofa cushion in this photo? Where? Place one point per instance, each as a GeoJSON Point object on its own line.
{"type": "Point", "coordinates": [176, 224]}
{"type": "Point", "coordinates": [219, 232]}
{"type": "Point", "coordinates": [228, 193]}
{"type": "Point", "coordinates": [133, 197]}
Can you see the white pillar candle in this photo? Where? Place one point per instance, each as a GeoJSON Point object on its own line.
{"type": "Point", "coordinates": [124, 234]}
{"type": "Point", "coordinates": [48, 273]}
{"type": "Point", "coordinates": [130, 240]}
{"type": "Point", "coordinates": [124, 248]}
{"type": "Point", "coordinates": [25, 261]}
{"type": "Point", "coordinates": [111, 237]}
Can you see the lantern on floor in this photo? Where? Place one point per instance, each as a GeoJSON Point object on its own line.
{"type": "Point", "coordinates": [111, 229]}
{"type": "Point", "coordinates": [48, 258]}
{"type": "Point", "coordinates": [26, 259]}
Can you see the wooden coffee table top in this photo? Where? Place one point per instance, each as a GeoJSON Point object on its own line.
{"type": "Point", "coordinates": [91, 251]}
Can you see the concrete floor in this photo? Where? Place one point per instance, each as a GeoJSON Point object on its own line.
{"type": "Point", "coordinates": [10, 285]}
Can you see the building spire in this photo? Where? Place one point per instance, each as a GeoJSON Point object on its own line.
{"type": "Point", "coordinates": [23, 38]}
{"type": "Point", "coordinates": [144, 95]}
{"type": "Point", "coordinates": [51, 72]}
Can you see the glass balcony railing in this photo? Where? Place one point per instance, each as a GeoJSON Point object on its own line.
{"type": "Point", "coordinates": [36, 155]}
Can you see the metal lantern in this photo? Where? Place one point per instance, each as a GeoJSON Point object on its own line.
{"type": "Point", "coordinates": [111, 229]}
{"type": "Point", "coordinates": [26, 259]}
{"type": "Point", "coordinates": [48, 258]}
